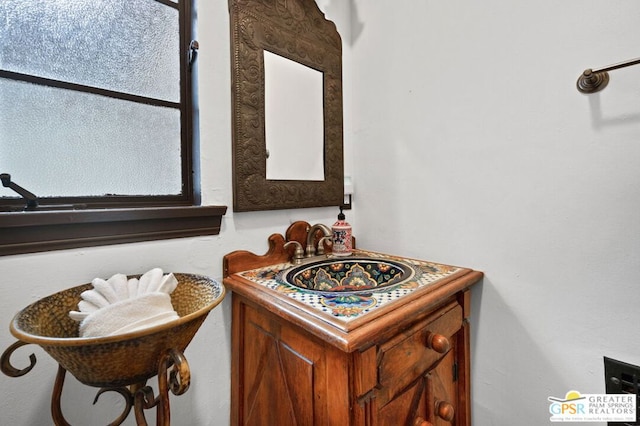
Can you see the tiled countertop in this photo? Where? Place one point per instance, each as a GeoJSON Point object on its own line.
{"type": "Point", "coordinates": [346, 308]}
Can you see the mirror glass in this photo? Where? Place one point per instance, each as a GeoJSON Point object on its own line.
{"type": "Point", "coordinates": [287, 140]}
{"type": "Point", "coordinates": [293, 120]}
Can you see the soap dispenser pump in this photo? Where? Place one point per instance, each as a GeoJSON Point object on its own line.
{"type": "Point", "coordinates": [342, 241]}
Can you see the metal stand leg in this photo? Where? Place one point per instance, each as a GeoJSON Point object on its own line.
{"type": "Point", "coordinates": [175, 365]}
{"type": "Point", "coordinates": [173, 374]}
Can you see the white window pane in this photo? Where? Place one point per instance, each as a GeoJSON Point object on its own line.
{"type": "Point", "coordinates": [56, 142]}
{"type": "Point", "coordinates": [113, 44]}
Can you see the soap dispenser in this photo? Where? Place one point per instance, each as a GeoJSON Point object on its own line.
{"type": "Point", "coordinates": [342, 241]}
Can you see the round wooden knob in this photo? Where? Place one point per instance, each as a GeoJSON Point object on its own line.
{"type": "Point", "coordinates": [438, 343]}
{"type": "Point", "coordinates": [445, 411]}
{"type": "Point", "coordinates": [421, 422]}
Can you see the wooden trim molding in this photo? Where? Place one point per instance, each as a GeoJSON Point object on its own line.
{"type": "Point", "coordinates": [37, 231]}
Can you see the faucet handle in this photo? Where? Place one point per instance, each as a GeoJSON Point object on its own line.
{"type": "Point", "coordinates": [298, 253]}
{"type": "Point", "coordinates": [324, 239]}
{"type": "Point", "coordinates": [311, 238]}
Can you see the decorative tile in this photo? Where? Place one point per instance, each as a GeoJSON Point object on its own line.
{"type": "Point", "coordinates": [348, 306]}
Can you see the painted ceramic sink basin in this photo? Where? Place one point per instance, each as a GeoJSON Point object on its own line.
{"type": "Point", "coordinates": [349, 275]}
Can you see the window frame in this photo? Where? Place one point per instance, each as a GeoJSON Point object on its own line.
{"type": "Point", "coordinates": [118, 219]}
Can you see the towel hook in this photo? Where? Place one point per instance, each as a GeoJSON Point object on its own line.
{"type": "Point", "coordinates": [594, 80]}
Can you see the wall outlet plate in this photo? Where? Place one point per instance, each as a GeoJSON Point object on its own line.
{"type": "Point", "coordinates": [621, 377]}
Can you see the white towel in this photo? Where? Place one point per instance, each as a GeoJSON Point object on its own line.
{"type": "Point", "coordinates": [128, 315]}
{"type": "Point", "coordinates": [119, 284]}
{"type": "Point", "coordinates": [120, 305]}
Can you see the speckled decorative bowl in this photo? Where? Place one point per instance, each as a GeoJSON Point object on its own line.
{"type": "Point", "coordinates": [122, 359]}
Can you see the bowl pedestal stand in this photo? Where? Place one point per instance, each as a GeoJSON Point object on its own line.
{"type": "Point", "coordinates": [173, 374]}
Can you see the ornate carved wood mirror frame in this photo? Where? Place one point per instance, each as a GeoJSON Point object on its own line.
{"type": "Point", "coordinates": [296, 30]}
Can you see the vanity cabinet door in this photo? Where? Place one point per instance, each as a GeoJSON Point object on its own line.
{"type": "Point", "coordinates": [444, 392]}
{"type": "Point", "coordinates": [408, 408]}
{"type": "Point", "coordinates": [420, 371]}
{"type": "Point", "coordinates": [430, 401]}
{"type": "Point", "coordinates": [281, 376]}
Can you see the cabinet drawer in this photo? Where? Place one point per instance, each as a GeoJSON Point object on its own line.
{"type": "Point", "coordinates": [410, 354]}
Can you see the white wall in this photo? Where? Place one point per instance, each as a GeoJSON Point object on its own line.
{"type": "Point", "coordinates": [475, 148]}
{"type": "Point", "coordinates": [24, 279]}
{"type": "Point", "coordinates": [469, 145]}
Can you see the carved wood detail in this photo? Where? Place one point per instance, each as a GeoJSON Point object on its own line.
{"type": "Point", "coordinates": [271, 392]}
{"type": "Point", "coordinates": [297, 30]}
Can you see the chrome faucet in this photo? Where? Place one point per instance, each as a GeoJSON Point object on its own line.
{"type": "Point", "coordinates": [311, 234]}
{"type": "Point", "coordinates": [298, 254]}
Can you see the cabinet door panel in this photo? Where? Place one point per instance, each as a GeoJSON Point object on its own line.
{"type": "Point", "coordinates": [430, 401]}
{"type": "Point", "coordinates": [406, 408]}
{"type": "Point", "coordinates": [442, 381]}
{"type": "Point", "coordinates": [278, 378]}
{"type": "Point", "coordinates": [286, 377]}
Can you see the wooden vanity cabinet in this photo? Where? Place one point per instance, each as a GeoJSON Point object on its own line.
{"type": "Point", "coordinates": [284, 375]}
{"type": "Point", "coordinates": [407, 366]}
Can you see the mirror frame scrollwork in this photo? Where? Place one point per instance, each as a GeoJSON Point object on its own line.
{"type": "Point", "coordinates": [296, 30]}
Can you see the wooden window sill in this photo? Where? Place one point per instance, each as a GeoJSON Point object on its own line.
{"type": "Point", "coordinates": [37, 231]}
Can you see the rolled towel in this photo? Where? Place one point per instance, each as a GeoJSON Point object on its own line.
{"type": "Point", "coordinates": [132, 287]}
{"type": "Point", "coordinates": [95, 298]}
{"type": "Point", "coordinates": [119, 283]}
{"type": "Point", "coordinates": [168, 283]}
{"type": "Point", "coordinates": [129, 315]}
{"type": "Point", "coordinates": [149, 280]}
{"type": "Point", "coordinates": [106, 290]}
{"type": "Point", "coordinates": [120, 305]}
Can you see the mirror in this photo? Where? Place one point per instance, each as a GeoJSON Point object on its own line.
{"type": "Point", "coordinates": [293, 113]}
{"type": "Point", "coordinates": [287, 147]}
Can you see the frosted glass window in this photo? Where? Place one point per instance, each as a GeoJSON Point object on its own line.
{"type": "Point", "coordinates": [114, 44]}
{"type": "Point", "coordinates": [93, 100]}
{"type": "Point", "coordinates": [79, 144]}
